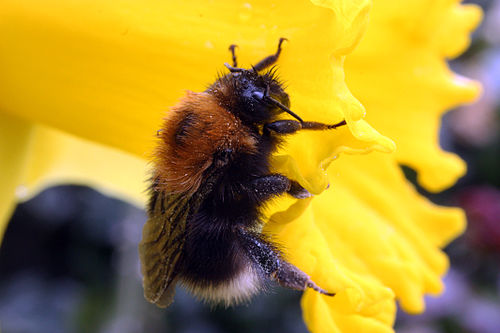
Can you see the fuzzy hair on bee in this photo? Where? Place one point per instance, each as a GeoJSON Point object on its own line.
{"type": "Point", "coordinates": [210, 181]}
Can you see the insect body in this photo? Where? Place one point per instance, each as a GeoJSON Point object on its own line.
{"type": "Point", "coordinates": [211, 178]}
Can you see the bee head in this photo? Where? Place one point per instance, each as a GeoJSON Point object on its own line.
{"type": "Point", "coordinates": [253, 97]}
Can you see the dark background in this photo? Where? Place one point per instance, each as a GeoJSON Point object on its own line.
{"type": "Point", "coordinates": [69, 261]}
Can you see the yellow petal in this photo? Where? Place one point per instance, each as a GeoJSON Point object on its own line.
{"type": "Point", "coordinates": [14, 143]}
{"type": "Point", "coordinates": [399, 73]}
{"type": "Point", "coordinates": [371, 231]}
{"type": "Point", "coordinates": [58, 158]}
{"type": "Point", "coordinates": [35, 157]}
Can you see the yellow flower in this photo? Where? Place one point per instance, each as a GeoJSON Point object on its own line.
{"type": "Point", "coordinates": [85, 84]}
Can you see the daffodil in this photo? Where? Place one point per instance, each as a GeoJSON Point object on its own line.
{"type": "Point", "coordinates": [84, 85]}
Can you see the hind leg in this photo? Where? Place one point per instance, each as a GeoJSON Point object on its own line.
{"type": "Point", "coordinates": [270, 261]}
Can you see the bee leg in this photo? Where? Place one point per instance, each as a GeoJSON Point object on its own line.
{"type": "Point", "coordinates": [292, 126]}
{"type": "Point", "coordinates": [289, 276]}
{"type": "Point", "coordinates": [263, 188]}
{"type": "Point", "coordinates": [263, 254]}
{"type": "Point", "coordinates": [231, 48]}
{"type": "Point", "coordinates": [312, 125]}
{"type": "Point", "coordinates": [297, 191]}
{"type": "Point", "coordinates": [282, 127]}
{"type": "Point", "coordinates": [268, 61]}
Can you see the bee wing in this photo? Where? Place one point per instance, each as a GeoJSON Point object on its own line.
{"type": "Point", "coordinates": [161, 246]}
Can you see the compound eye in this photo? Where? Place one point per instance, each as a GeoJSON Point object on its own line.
{"type": "Point", "coordinates": [258, 95]}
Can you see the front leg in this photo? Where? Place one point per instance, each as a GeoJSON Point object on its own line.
{"type": "Point", "coordinates": [292, 126]}
{"type": "Point", "coordinates": [263, 188]}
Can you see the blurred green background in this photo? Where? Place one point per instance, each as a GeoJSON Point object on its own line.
{"type": "Point", "coordinates": [69, 260]}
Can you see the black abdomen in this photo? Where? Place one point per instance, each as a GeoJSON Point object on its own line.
{"type": "Point", "coordinates": [212, 251]}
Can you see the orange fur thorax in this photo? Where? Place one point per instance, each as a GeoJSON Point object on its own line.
{"type": "Point", "coordinates": [194, 130]}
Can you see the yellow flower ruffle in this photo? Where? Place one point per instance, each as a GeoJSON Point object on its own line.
{"type": "Point", "coordinates": [83, 82]}
{"type": "Point", "coordinates": [399, 73]}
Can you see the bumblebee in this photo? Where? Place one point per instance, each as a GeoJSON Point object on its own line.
{"type": "Point", "coordinates": [210, 180]}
